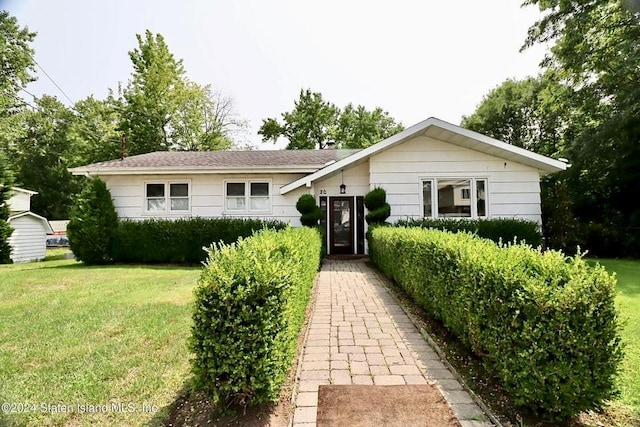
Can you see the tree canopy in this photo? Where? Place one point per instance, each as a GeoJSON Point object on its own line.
{"type": "Point", "coordinates": [163, 110]}
{"type": "Point", "coordinates": [584, 106]}
{"type": "Point", "coordinates": [158, 109]}
{"type": "Point", "coordinates": [314, 122]}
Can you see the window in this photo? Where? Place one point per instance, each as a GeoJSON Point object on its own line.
{"type": "Point", "coordinates": [248, 196]}
{"type": "Point", "coordinates": [454, 198]}
{"type": "Point", "coordinates": [160, 196]}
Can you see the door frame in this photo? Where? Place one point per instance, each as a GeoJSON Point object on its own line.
{"type": "Point", "coordinates": [346, 249]}
{"type": "Point", "coordinates": [356, 218]}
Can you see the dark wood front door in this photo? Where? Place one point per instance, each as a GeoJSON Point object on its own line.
{"type": "Point", "coordinates": [341, 225]}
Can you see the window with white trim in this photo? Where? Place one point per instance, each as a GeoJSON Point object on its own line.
{"type": "Point", "coordinates": [247, 196]}
{"type": "Point", "coordinates": [454, 197]}
{"type": "Point", "coordinates": [167, 197]}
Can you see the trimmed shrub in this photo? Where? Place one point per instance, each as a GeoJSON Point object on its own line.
{"type": "Point", "coordinates": [180, 241]}
{"type": "Point", "coordinates": [546, 325]}
{"type": "Point", "coordinates": [92, 224]}
{"type": "Point", "coordinates": [250, 306]}
{"type": "Point", "coordinates": [376, 203]}
{"type": "Point", "coordinates": [507, 230]}
{"type": "Point", "coordinates": [311, 212]}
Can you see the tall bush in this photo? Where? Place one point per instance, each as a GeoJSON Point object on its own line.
{"type": "Point", "coordinates": [544, 324]}
{"type": "Point", "coordinates": [311, 212]}
{"type": "Point", "coordinates": [92, 224]}
{"type": "Point", "coordinates": [6, 180]}
{"type": "Point", "coordinates": [376, 203]}
{"type": "Point", "coordinates": [250, 305]}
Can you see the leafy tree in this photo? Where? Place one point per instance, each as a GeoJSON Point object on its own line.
{"type": "Point", "coordinates": [358, 127]}
{"type": "Point", "coordinates": [206, 120]}
{"type": "Point", "coordinates": [309, 125]}
{"type": "Point", "coordinates": [16, 71]}
{"type": "Point", "coordinates": [163, 110]}
{"type": "Point", "coordinates": [151, 95]}
{"type": "Point", "coordinates": [529, 113]}
{"type": "Point", "coordinates": [6, 181]}
{"type": "Point", "coordinates": [93, 224]}
{"type": "Point", "coordinates": [94, 129]}
{"type": "Point", "coordinates": [17, 63]}
{"type": "Point", "coordinates": [596, 52]}
{"type": "Point", "coordinates": [314, 122]}
{"type": "Point", "coordinates": [41, 157]}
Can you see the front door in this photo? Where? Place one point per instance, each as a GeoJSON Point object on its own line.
{"type": "Point", "coordinates": [341, 225]}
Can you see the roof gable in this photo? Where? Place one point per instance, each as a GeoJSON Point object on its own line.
{"type": "Point", "coordinates": [443, 131]}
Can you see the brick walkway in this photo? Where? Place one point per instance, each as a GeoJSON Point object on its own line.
{"type": "Point", "coordinates": [358, 334]}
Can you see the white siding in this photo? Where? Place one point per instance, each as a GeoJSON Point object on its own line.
{"type": "Point", "coordinates": [28, 240]}
{"type": "Point", "coordinates": [207, 196]}
{"type": "Point", "coordinates": [355, 178]}
{"type": "Point", "coordinates": [513, 188]}
{"type": "Point", "coordinates": [19, 202]}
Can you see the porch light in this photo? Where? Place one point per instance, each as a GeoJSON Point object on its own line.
{"type": "Point", "coordinates": [343, 188]}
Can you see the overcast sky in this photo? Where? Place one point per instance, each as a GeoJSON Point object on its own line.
{"type": "Point", "coordinates": [415, 59]}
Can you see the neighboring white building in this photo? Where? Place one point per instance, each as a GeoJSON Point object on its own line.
{"type": "Point", "coordinates": [28, 239]}
{"type": "Point", "coordinates": [432, 169]}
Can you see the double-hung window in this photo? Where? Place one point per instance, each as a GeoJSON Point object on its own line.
{"type": "Point", "coordinates": [248, 196]}
{"type": "Point", "coordinates": [454, 197]}
{"type": "Point", "coordinates": [163, 197]}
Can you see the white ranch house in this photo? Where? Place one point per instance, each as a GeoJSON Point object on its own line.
{"type": "Point", "coordinates": [432, 169]}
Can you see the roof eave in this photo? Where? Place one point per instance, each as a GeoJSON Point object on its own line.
{"type": "Point", "coordinates": [306, 169]}
{"type": "Point", "coordinates": [544, 164]}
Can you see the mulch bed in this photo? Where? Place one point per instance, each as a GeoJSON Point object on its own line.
{"type": "Point", "coordinates": [383, 405]}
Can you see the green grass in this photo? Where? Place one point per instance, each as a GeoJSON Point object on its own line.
{"type": "Point", "coordinates": [628, 301]}
{"type": "Point", "coordinates": [75, 335]}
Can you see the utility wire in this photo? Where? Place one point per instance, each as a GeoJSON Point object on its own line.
{"type": "Point", "coordinates": [53, 81]}
{"type": "Point", "coordinates": [84, 126]}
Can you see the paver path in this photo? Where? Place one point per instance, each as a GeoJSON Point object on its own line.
{"type": "Point", "coordinates": [358, 334]}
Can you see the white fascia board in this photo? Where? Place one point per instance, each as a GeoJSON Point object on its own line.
{"type": "Point", "coordinates": [360, 155]}
{"type": "Point", "coordinates": [24, 190]}
{"type": "Point", "coordinates": [543, 163]}
{"type": "Point", "coordinates": [553, 165]}
{"type": "Point", "coordinates": [191, 171]}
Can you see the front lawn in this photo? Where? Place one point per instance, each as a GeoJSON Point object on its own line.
{"type": "Point", "coordinates": [92, 345]}
{"type": "Point", "coordinates": [628, 300]}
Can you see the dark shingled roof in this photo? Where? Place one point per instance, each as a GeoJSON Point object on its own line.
{"type": "Point", "coordinates": [226, 159]}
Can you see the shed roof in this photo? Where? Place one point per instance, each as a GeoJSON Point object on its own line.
{"type": "Point", "coordinates": [30, 214]}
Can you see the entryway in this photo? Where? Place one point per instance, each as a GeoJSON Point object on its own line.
{"type": "Point", "coordinates": [344, 219]}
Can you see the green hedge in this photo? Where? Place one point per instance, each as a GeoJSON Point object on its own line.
{"type": "Point", "coordinates": [506, 230]}
{"type": "Point", "coordinates": [249, 309]}
{"type": "Point", "coordinates": [544, 324]}
{"type": "Point", "coordinates": [181, 240]}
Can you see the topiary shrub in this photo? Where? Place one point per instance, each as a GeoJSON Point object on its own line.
{"type": "Point", "coordinates": [92, 224]}
{"type": "Point", "coordinates": [311, 212]}
{"type": "Point", "coordinates": [249, 309]}
{"type": "Point", "coordinates": [376, 203]}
